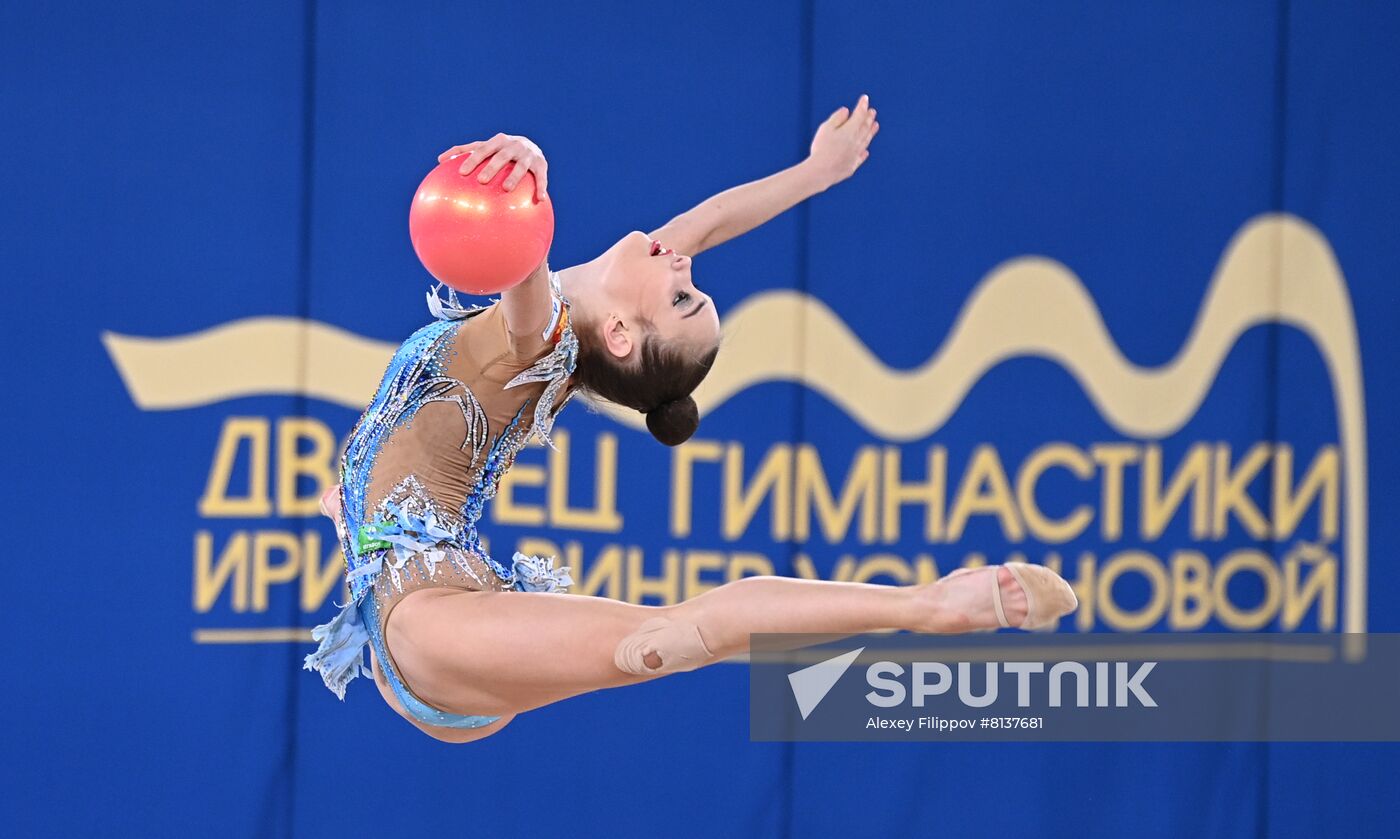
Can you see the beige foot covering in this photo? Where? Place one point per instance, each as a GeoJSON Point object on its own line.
{"type": "Point", "coordinates": [678, 646]}
{"type": "Point", "coordinates": [1048, 596]}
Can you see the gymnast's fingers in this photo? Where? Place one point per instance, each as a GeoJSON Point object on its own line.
{"type": "Point", "coordinates": [862, 106]}
{"type": "Point", "coordinates": [869, 132]}
{"type": "Point", "coordinates": [496, 164]}
{"type": "Point", "coordinates": [480, 153]}
{"type": "Point", "coordinates": [456, 150]}
{"type": "Point", "coordinates": [523, 164]}
{"type": "Point", "coordinates": [541, 180]}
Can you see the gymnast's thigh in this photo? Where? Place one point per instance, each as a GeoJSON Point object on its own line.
{"type": "Point", "coordinates": [446, 735]}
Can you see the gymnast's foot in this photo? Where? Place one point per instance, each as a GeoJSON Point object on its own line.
{"type": "Point", "coordinates": [1015, 594]}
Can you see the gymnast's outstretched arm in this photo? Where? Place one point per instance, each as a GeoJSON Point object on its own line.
{"type": "Point", "coordinates": [838, 150]}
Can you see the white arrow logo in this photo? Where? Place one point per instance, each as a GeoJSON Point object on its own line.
{"type": "Point", "coordinates": [810, 685]}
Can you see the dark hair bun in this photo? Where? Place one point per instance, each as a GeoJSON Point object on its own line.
{"type": "Point", "coordinates": [673, 422]}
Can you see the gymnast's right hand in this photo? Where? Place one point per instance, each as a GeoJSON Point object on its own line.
{"type": "Point", "coordinates": [502, 149]}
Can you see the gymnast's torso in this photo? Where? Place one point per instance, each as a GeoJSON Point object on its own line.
{"type": "Point", "coordinates": [460, 399]}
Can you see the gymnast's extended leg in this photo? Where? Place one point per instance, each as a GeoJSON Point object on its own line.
{"type": "Point", "coordinates": [498, 653]}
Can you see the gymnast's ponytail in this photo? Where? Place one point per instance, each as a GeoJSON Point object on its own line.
{"type": "Point", "coordinates": [658, 382]}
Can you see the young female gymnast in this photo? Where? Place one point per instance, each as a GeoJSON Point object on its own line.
{"type": "Point", "coordinates": [461, 644]}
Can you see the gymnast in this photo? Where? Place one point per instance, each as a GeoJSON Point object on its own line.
{"type": "Point", "coordinates": [460, 643]}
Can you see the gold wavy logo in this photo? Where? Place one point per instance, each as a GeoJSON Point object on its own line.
{"type": "Point", "coordinates": [1277, 269]}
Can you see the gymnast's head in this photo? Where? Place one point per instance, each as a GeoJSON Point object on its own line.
{"type": "Point", "coordinates": [647, 336]}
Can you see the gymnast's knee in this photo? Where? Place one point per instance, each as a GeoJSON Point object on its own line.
{"type": "Point", "coordinates": [662, 645]}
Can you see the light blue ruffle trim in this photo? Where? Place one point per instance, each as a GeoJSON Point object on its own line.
{"type": "Point", "coordinates": [449, 309]}
{"type": "Point", "coordinates": [537, 573]}
{"type": "Point", "coordinates": [340, 657]}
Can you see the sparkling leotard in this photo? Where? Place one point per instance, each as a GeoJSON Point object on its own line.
{"type": "Point", "coordinates": [460, 399]}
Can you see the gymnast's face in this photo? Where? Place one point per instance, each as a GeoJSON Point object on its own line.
{"type": "Point", "coordinates": [648, 283]}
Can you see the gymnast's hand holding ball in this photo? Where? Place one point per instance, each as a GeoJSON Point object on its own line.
{"type": "Point", "coordinates": [481, 221]}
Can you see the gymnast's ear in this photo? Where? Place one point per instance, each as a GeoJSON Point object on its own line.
{"type": "Point", "coordinates": [617, 337]}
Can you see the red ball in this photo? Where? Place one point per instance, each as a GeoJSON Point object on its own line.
{"type": "Point", "coordinates": [476, 237]}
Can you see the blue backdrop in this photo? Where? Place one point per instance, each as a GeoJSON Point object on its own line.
{"type": "Point", "coordinates": [174, 173]}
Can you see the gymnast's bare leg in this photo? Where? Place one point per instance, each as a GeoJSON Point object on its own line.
{"type": "Point", "coordinates": [503, 653]}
